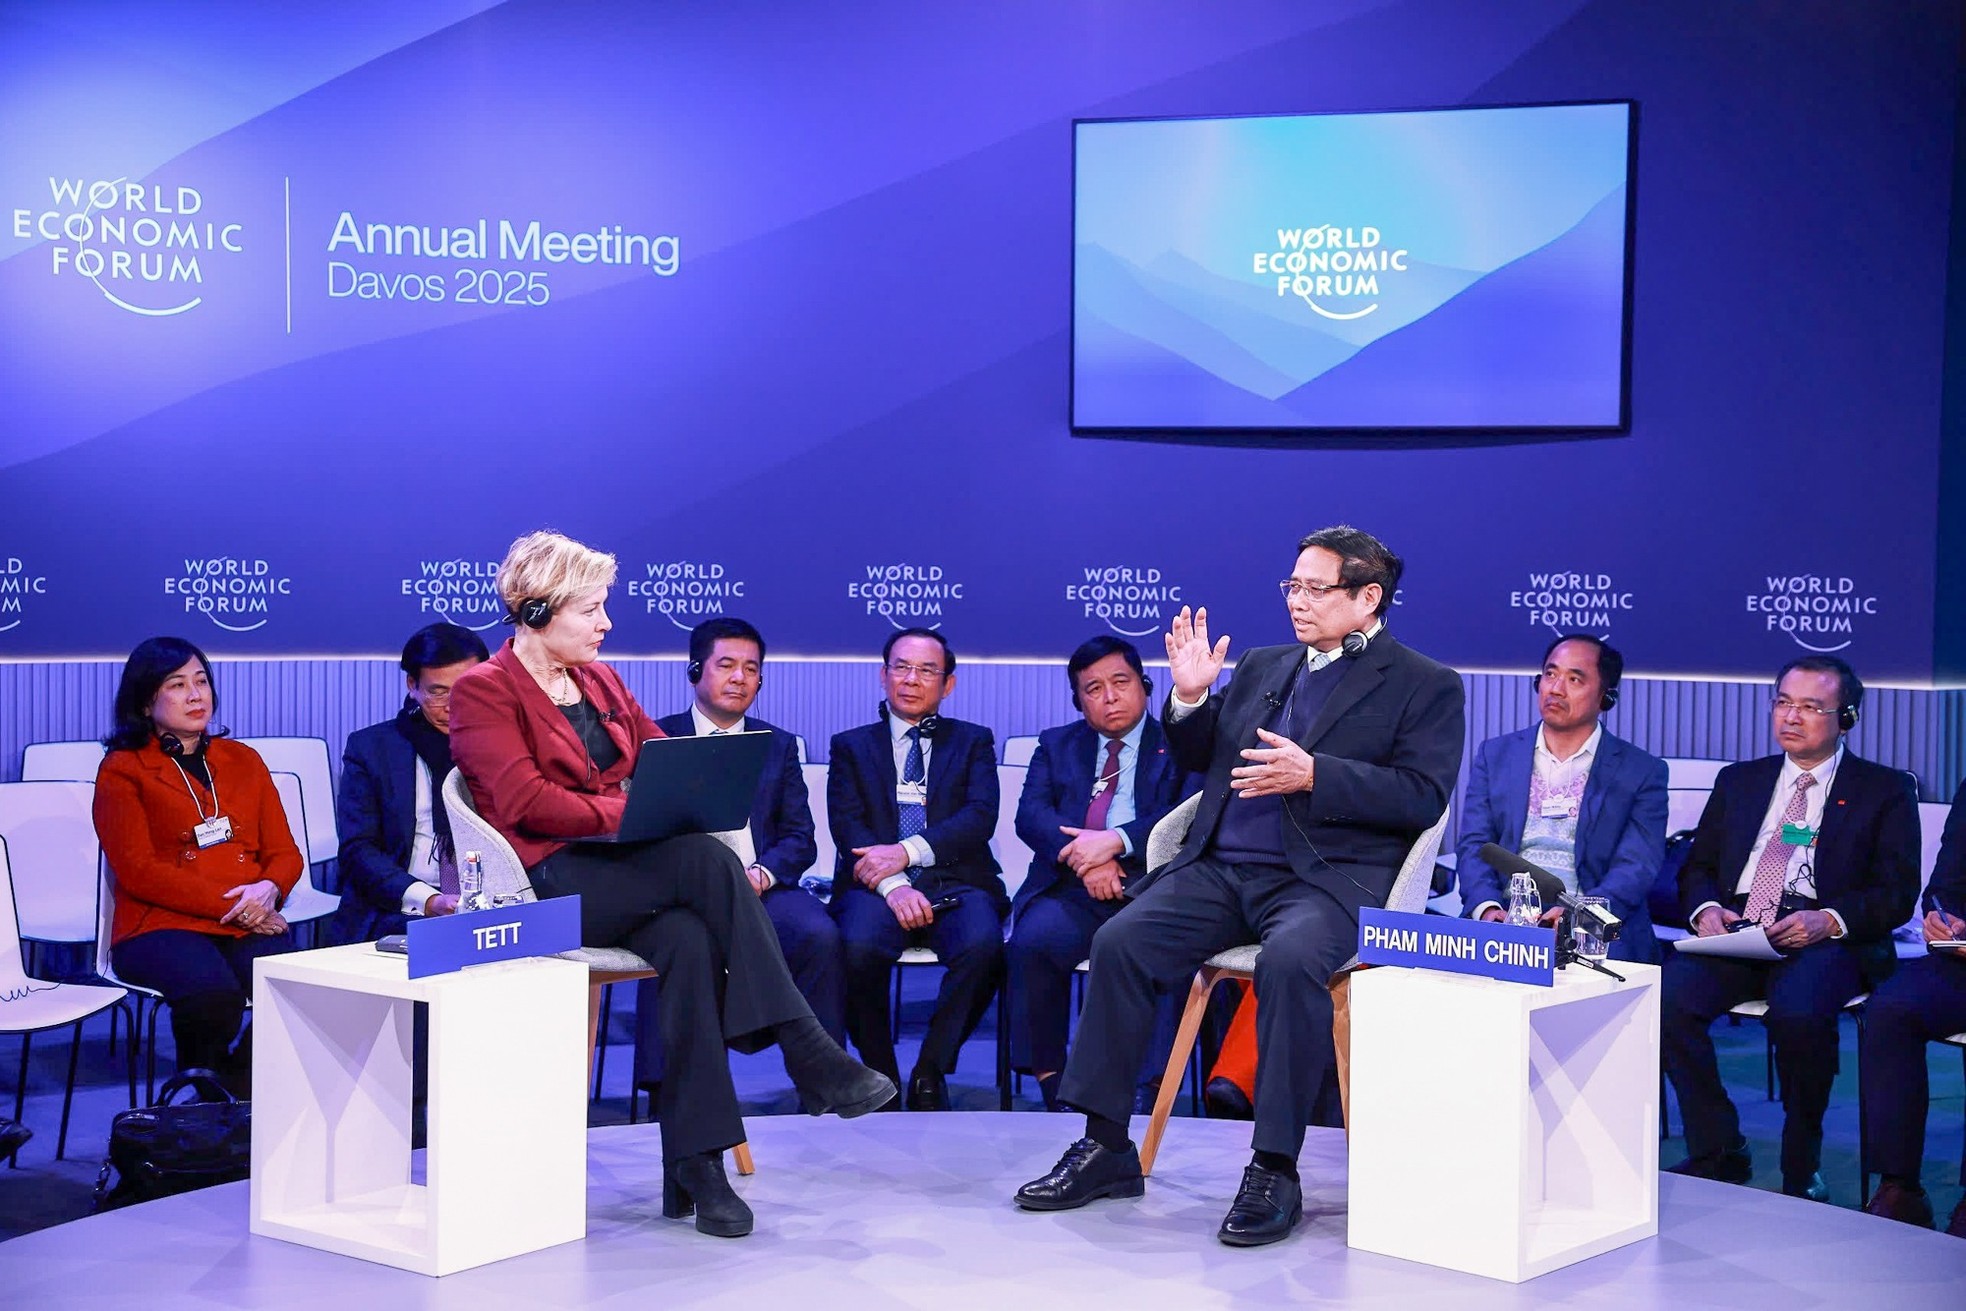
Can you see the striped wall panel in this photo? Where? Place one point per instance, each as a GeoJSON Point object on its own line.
{"type": "Point", "coordinates": [1924, 731]}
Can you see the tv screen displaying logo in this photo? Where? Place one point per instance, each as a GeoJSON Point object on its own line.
{"type": "Point", "coordinates": [1424, 270]}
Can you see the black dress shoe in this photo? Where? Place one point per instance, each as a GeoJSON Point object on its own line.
{"type": "Point", "coordinates": [1085, 1173]}
{"type": "Point", "coordinates": [1810, 1188]}
{"type": "Point", "coordinates": [697, 1184]}
{"type": "Point", "coordinates": [928, 1091]}
{"type": "Point", "coordinates": [1267, 1207]}
{"type": "Point", "coordinates": [13, 1137]}
{"type": "Point", "coordinates": [826, 1077]}
{"type": "Point", "coordinates": [1223, 1099]}
{"type": "Point", "coordinates": [1733, 1166]}
{"type": "Point", "coordinates": [1894, 1201]}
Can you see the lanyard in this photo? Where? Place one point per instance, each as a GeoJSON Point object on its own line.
{"type": "Point", "coordinates": [203, 818]}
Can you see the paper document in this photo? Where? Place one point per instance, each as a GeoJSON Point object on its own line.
{"type": "Point", "coordinates": [1747, 944]}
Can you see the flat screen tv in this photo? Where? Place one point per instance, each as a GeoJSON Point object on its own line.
{"type": "Point", "coordinates": [1395, 272]}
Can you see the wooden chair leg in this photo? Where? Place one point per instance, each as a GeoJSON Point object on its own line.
{"type": "Point", "coordinates": [1177, 1060]}
{"type": "Point", "coordinates": [740, 1155]}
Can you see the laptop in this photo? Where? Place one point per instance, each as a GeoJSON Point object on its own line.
{"type": "Point", "coordinates": [691, 785]}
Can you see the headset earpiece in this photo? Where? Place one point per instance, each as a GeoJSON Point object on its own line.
{"type": "Point", "coordinates": [1846, 717]}
{"type": "Point", "coordinates": [693, 671]}
{"type": "Point", "coordinates": [1609, 700]}
{"type": "Point", "coordinates": [535, 612]}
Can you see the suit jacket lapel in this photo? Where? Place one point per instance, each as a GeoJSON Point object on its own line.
{"type": "Point", "coordinates": [882, 745]}
{"type": "Point", "coordinates": [1271, 683]}
{"type": "Point", "coordinates": [1150, 771]}
{"type": "Point", "coordinates": [1610, 755]}
{"type": "Point", "coordinates": [1367, 672]}
{"type": "Point", "coordinates": [1515, 768]}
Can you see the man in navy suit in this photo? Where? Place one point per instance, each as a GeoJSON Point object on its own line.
{"type": "Point", "coordinates": [726, 672]}
{"type": "Point", "coordinates": [912, 800]}
{"type": "Point", "coordinates": [396, 856]}
{"type": "Point", "coordinates": [1820, 848]}
{"type": "Point", "coordinates": [1588, 807]}
{"type": "Point", "coordinates": [1096, 788]}
{"type": "Point", "coordinates": [1923, 1001]}
{"type": "Point", "coordinates": [1325, 760]}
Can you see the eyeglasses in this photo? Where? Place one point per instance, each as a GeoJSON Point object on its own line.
{"type": "Point", "coordinates": [1783, 706]}
{"type": "Point", "coordinates": [903, 671]}
{"type": "Point", "coordinates": [1290, 587]}
{"type": "Point", "coordinates": [437, 698]}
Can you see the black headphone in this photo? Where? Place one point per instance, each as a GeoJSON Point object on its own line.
{"type": "Point", "coordinates": [929, 726]}
{"type": "Point", "coordinates": [533, 612]}
{"type": "Point", "coordinates": [1604, 703]}
{"type": "Point", "coordinates": [1146, 689]}
{"type": "Point", "coordinates": [1846, 717]}
{"type": "Point", "coordinates": [171, 745]}
{"type": "Point", "coordinates": [1355, 642]}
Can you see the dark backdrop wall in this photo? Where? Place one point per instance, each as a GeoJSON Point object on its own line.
{"type": "Point", "coordinates": [814, 367]}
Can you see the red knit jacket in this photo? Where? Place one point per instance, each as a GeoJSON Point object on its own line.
{"type": "Point", "coordinates": [144, 817]}
{"type": "Point", "coordinates": [528, 771]}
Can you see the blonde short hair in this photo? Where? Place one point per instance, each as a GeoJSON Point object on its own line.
{"type": "Point", "coordinates": [553, 568]}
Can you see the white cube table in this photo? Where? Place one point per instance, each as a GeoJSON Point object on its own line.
{"type": "Point", "coordinates": [506, 1167]}
{"type": "Point", "coordinates": [1503, 1129]}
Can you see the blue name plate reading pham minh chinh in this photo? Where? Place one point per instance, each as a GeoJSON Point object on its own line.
{"type": "Point", "coordinates": [443, 943]}
{"type": "Point", "coordinates": [1515, 952]}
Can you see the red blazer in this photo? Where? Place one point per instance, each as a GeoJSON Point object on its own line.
{"type": "Point", "coordinates": [528, 771]}
{"type": "Point", "coordinates": [144, 817]}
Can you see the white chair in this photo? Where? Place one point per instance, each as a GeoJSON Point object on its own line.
{"type": "Point", "coordinates": [822, 835]}
{"type": "Point", "coordinates": [27, 1006]}
{"type": "Point", "coordinates": [51, 833]}
{"type": "Point", "coordinates": [307, 758]}
{"type": "Point", "coordinates": [1019, 750]}
{"type": "Point", "coordinates": [60, 762]}
{"type": "Point", "coordinates": [1409, 893]}
{"type": "Point", "coordinates": [1690, 772]}
{"type": "Point", "coordinates": [1683, 808]}
{"type": "Point", "coordinates": [505, 876]}
{"type": "Point", "coordinates": [1012, 853]}
{"type": "Point", "coordinates": [798, 740]}
{"type": "Point", "coordinates": [307, 902]}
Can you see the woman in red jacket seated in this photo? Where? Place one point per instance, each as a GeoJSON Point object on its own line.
{"type": "Point", "coordinates": [200, 855]}
{"type": "Point", "coordinates": [547, 737]}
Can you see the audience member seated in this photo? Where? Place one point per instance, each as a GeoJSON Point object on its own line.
{"type": "Point", "coordinates": [912, 801]}
{"type": "Point", "coordinates": [200, 853]}
{"type": "Point", "coordinates": [1923, 1001]}
{"type": "Point", "coordinates": [397, 860]}
{"type": "Point", "coordinates": [726, 672]}
{"type": "Point", "coordinates": [1096, 788]}
{"type": "Point", "coordinates": [1820, 848]}
{"type": "Point", "coordinates": [1587, 806]}
{"type": "Point", "coordinates": [547, 736]}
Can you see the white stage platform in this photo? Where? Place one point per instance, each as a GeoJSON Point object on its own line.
{"type": "Point", "coordinates": [909, 1210]}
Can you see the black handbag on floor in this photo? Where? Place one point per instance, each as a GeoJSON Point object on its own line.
{"type": "Point", "coordinates": [163, 1149]}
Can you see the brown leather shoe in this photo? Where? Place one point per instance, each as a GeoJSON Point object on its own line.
{"type": "Point", "coordinates": [1894, 1201]}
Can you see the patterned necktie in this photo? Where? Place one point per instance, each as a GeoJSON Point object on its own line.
{"type": "Point", "coordinates": [447, 875]}
{"type": "Point", "coordinates": [914, 815]}
{"type": "Point", "coordinates": [1771, 871]}
{"type": "Point", "coordinates": [1103, 789]}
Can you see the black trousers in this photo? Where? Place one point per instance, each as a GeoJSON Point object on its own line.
{"type": "Point", "coordinates": [206, 979]}
{"type": "Point", "coordinates": [1805, 994]}
{"type": "Point", "coordinates": [1160, 939]}
{"type": "Point", "coordinates": [1923, 1001]}
{"type": "Point", "coordinates": [967, 938]}
{"type": "Point", "coordinates": [811, 944]}
{"type": "Point", "coordinates": [686, 908]}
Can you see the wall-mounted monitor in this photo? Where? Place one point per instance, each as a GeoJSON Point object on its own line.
{"type": "Point", "coordinates": [1410, 271]}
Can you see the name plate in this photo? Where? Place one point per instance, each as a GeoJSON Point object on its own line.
{"type": "Point", "coordinates": [443, 943]}
{"type": "Point", "coordinates": [1515, 952]}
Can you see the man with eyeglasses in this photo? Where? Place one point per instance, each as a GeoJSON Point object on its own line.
{"type": "Point", "coordinates": [1095, 790]}
{"type": "Point", "coordinates": [1818, 847]}
{"type": "Point", "coordinates": [1324, 760]}
{"type": "Point", "coordinates": [912, 803]}
{"type": "Point", "coordinates": [1568, 796]}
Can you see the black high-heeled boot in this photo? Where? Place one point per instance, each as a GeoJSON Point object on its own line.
{"type": "Point", "coordinates": [826, 1077]}
{"type": "Point", "coordinates": [698, 1184]}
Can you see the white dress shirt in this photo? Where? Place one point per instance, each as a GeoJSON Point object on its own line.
{"type": "Point", "coordinates": [920, 854]}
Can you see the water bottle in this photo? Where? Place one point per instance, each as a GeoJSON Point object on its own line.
{"type": "Point", "coordinates": [471, 883]}
{"type": "Point", "coordinates": [1525, 904]}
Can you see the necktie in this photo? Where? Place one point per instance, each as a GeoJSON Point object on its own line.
{"type": "Point", "coordinates": [914, 815]}
{"type": "Point", "coordinates": [1771, 871]}
{"type": "Point", "coordinates": [1104, 787]}
{"type": "Point", "coordinates": [447, 875]}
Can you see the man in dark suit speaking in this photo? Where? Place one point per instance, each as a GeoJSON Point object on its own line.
{"type": "Point", "coordinates": [1570, 797]}
{"type": "Point", "coordinates": [1325, 759]}
{"type": "Point", "coordinates": [912, 802]}
{"type": "Point", "coordinates": [1820, 847]}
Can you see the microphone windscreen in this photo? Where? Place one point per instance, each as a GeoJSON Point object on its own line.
{"type": "Point", "coordinates": [1501, 859]}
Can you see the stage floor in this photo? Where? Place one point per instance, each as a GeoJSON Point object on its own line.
{"type": "Point", "coordinates": [914, 1210]}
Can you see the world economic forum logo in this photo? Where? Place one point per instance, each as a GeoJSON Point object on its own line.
{"type": "Point", "coordinates": [1818, 612]}
{"type": "Point", "coordinates": [1336, 271]}
{"type": "Point", "coordinates": [235, 594]}
{"type": "Point", "coordinates": [462, 592]}
{"type": "Point", "coordinates": [144, 246]}
{"type": "Point", "coordinates": [1132, 600]}
{"type": "Point", "coordinates": [1571, 601]}
{"type": "Point", "coordinates": [17, 584]}
{"type": "Point", "coordinates": [686, 592]}
{"type": "Point", "coordinates": [906, 595]}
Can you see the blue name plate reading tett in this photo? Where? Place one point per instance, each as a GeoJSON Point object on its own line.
{"type": "Point", "coordinates": [444, 943]}
{"type": "Point", "coordinates": [1516, 952]}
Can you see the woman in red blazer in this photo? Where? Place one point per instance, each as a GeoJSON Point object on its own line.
{"type": "Point", "coordinates": [547, 737]}
{"type": "Point", "coordinates": [200, 855]}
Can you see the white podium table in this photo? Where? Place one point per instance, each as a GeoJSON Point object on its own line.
{"type": "Point", "coordinates": [506, 1166]}
{"type": "Point", "coordinates": [1503, 1129]}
